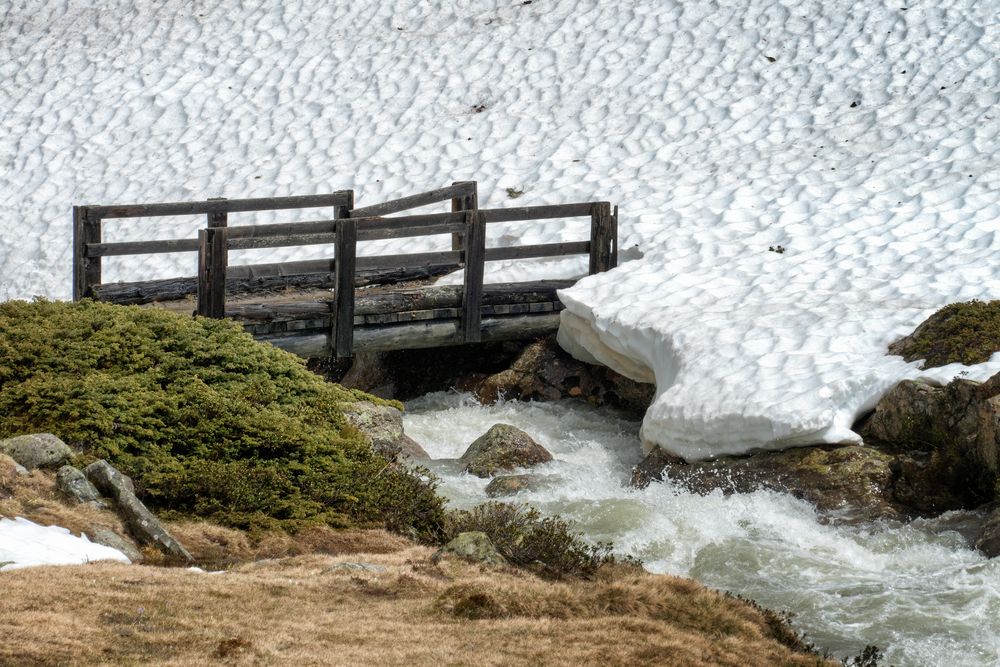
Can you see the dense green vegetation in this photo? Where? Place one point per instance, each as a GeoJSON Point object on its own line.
{"type": "Point", "coordinates": [966, 332]}
{"type": "Point", "coordinates": [207, 421]}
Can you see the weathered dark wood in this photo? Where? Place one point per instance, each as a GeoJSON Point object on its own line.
{"type": "Point", "coordinates": [341, 198]}
{"type": "Point", "coordinates": [398, 232]}
{"type": "Point", "coordinates": [140, 247]}
{"type": "Point", "coordinates": [212, 261]}
{"type": "Point", "coordinates": [475, 257]}
{"type": "Point", "coordinates": [468, 201]}
{"type": "Point", "coordinates": [343, 329]}
{"type": "Point", "coordinates": [255, 243]}
{"type": "Point", "coordinates": [416, 335]}
{"type": "Point", "coordinates": [413, 201]}
{"type": "Point", "coordinates": [602, 235]}
{"type": "Point", "coordinates": [614, 238]}
{"type": "Point", "coordinates": [540, 250]}
{"type": "Point", "coordinates": [442, 297]}
{"type": "Point", "coordinates": [536, 212]}
{"type": "Point", "coordinates": [86, 269]}
{"type": "Point", "coordinates": [217, 218]}
{"type": "Point", "coordinates": [385, 262]}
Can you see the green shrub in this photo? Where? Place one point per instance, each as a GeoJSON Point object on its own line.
{"type": "Point", "coordinates": [967, 332]}
{"type": "Point", "coordinates": [206, 420]}
{"type": "Point", "coordinates": [520, 533]}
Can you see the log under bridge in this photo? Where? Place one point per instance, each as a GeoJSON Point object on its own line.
{"type": "Point", "coordinates": [336, 305]}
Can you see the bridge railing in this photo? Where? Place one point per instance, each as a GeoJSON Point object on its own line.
{"type": "Point", "coordinates": [466, 224]}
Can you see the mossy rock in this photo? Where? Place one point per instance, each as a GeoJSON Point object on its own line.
{"type": "Point", "coordinates": [966, 333]}
{"type": "Point", "coordinates": [207, 421]}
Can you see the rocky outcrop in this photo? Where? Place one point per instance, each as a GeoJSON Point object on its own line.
{"type": "Point", "coordinates": [852, 483]}
{"type": "Point", "coordinates": [75, 485]}
{"type": "Point", "coordinates": [545, 372]}
{"type": "Point", "coordinates": [946, 440]}
{"type": "Point", "coordinates": [967, 333]}
{"type": "Point", "coordinates": [38, 450]}
{"type": "Point", "coordinates": [383, 426]}
{"type": "Point", "coordinates": [503, 447]}
{"type": "Point", "coordinates": [142, 523]}
{"type": "Point", "coordinates": [474, 546]}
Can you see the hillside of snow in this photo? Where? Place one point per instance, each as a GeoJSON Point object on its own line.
{"type": "Point", "coordinates": [860, 137]}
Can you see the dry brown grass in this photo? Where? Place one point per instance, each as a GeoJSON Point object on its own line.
{"type": "Point", "coordinates": [284, 600]}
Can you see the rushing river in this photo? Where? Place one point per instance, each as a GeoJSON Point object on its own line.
{"type": "Point", "coordinates": [917, 590]}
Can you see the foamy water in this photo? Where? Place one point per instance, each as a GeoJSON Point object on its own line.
{"type": "Point", "coordinates": [917, 591]}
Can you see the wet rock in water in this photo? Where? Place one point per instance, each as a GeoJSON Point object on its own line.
{"type": "Point", "coordinates": [503, 447]}
{"type": "Point", "coordinates": [988, 541]}
{"type": "Point", "coordinates": [855, 481]}
{"type": "Point", "coordinates": [508, 485]}
{"type": "Point", "coordinates": [947, 442]}
{"type": "Point", "coordinates": [383, 426]}
{"type": "Point", "coordinates": [75, 485]}
{"type": "Point", "coordinates": [38, 450]}
{"type": "Point", "coordinates": [142, 523]}
{"type": "Point", "coordinates": [474, 546]}
{"type": "Point", "coordinates": [544, 371]}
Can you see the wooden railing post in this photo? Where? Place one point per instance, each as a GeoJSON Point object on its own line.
{"type": "Point", "coordinates": [213, 258]}
{"type": "Point", "coordinates": [342, 336]}
{"type": "Point", "coordinates": [475, 259]}
{"type": "Point", "coordinates": [217, 218]}
{"type": "Point", "coordinates": [466, 202]}
{"type": "Point", "coordinates": [86, 270]}
{"type": "Point", "coordinates": [603, 232]}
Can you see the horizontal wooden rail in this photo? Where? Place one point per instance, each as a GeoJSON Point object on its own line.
{"type": "Point", "coordinates": [454, 191]}
{"type": "Point", "coordinates": [334, 199]}
{"type": "Point", "coordinates": [523, 213]}
{"type": "Point", "coordinates": [540, 250]}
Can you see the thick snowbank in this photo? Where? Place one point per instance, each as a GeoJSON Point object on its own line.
{"type": "Point", "coordinates": [24, 544]}
{"type": "Point", "coordinates": [860, 136]}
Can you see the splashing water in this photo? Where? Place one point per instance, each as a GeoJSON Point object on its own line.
{"type": "Point", "coordinates": [916, 590]}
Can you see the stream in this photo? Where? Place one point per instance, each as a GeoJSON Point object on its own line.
{"type": "Point", "coordinates": [916, 590]}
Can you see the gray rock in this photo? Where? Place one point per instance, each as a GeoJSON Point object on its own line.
{"type": "Point", "coordinates": [474, 546]}
{"type": "Point", "coordinates": [508, 485]}
{"type": "Point", "coordinates": [38, 450]}
{"type": "Point", "coordinates": [947, 440]}
{"type": "Point", "coordinates": [988, 540]}
{"type": "Point", "coordinates": [109, 538]}
{"type": "Point", "coordinates": [357, 567]}
{"type": "Point", "coordinates": [852, 483]}
{"type": "Point", "coordinates": [75, 484]}
{"type": "Point", "coordinates": [383, 426]}
{"type": "Point", "coordinates": [9, 463]}
{"type": "Point", "coordinates": [142, 523]}
{"type": "Point", "coordinates": [503, 447]}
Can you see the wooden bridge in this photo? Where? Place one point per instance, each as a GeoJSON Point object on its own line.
{"type": "Point", "coordinates": [370, 307]}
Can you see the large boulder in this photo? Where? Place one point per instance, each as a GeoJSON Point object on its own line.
{"type": "Point", "coordinates": [75, 485]}
{"type": "Point", "coordinates": [947, 440]}
{"type": "Point", "coordinates": [503, 447]}
{"type": "Point", "coordinates": [474, 546]}
{"type": "Point", "coordinates": [509, 485]}
{"type": "Point", "coordinates": [142, 523]}
{"type": "Point", "coordinates": [545, 372]}
{"type": "Point", "coordinates": [38, 450]}
{"type": "Point", "coordinates": [852, 483]}
{"type": "Point", "coordinates": [382, 425]}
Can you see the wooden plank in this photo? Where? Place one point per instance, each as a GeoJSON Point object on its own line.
{"type": "Point", "coordinates": [334, 199]}
{"type": "Point", "coordinates": [536, 212]}
{"type": "Point", "coordinates": [396, 232]}
{"type": "Point", "coordinates": [379, 262]}
{"type": "Point", "coordinates": [343, 329]}
{"type": "Point", "coordinates": [475, 257]}
{"type": "Point", "coordinates": [282, 241]}
{"type": "Point", "coordinates": [540, 250]}
{"type": "Point", "coordinates": [140, 247]}
{"type": "Point", "coordinates": [79, 253]}
{"type": "Point", "coordinates": [212, 260]}
{"type": "Point", "coordinates": [416, 335]}
{"type": "Point", "coordinates": [413, 201]}
{"type": "Point", "coordinates": [468, 201]}
{"type": "Point", "coordinates": [218, 217]}
{"type": "Point", "coordinates": [602, 234]}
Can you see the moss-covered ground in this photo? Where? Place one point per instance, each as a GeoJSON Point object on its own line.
{"type": "Point", "coordinates": [207, 421]}
{"type": "Point", "coordinates": [967, 332]}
